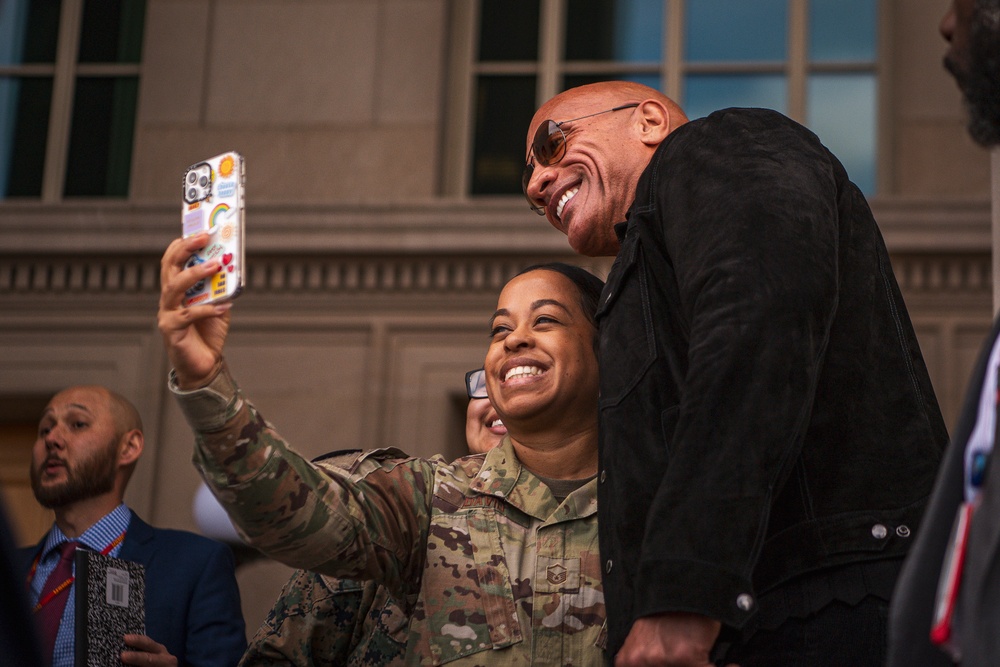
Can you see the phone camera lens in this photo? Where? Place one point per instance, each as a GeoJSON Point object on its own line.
{"type": "Point", "coordinates": [203, 181]}
{"type": "Point", "coordinates": [192, 194]}
{"type": "Point", "coordinates": [192, 177]}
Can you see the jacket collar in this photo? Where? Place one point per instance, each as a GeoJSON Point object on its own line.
{"type": "Point", "coordinates": [501, 473]}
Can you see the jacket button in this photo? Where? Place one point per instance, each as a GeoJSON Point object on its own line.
{"type": "Point", "coordinates": [879, 532]}
{"type": "Point", "coordinates": [607, 566]}
{"type": "Point", "coordinates": [744, 601]}
{"type": "Point", "coordinates": [903, 531]}
{"type": "Point", "coordinates": [604, 476]}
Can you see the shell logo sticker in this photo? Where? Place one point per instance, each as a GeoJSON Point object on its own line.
{"type": "Point", "coordinates": [226, 166]}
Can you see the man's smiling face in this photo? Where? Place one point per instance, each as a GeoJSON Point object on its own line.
{"type": "Point", "coordinates": [590, 189]}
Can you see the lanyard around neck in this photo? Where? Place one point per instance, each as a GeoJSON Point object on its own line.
{"type": "Point", "coordinates": [45, 599]}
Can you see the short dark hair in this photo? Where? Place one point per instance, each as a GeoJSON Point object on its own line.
{"type": "Point", "coordinates": [587, 285]}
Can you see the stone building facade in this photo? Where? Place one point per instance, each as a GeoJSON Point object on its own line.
{"type": "Point", "coordinates": [373, 269]}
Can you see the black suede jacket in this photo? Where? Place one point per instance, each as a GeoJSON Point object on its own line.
{"type": "Point", "coordinates": [765, 409]}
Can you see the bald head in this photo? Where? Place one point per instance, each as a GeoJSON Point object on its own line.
{"type": "Point", "coordinates": [89, 441]}
{"type": "Point", "coordinates": [125, 417]}
{"type": "Point", "coordinates": [583, 169]}
{"type": "Point", "coordinates": [608, 94]}
{"type": "Point", "coordinates": [123, 412]}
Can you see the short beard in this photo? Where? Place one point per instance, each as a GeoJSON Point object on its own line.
{"type": "Point", "coordinates": [93, 477]}
{"type": "Point", "coordinates": [981, 83]}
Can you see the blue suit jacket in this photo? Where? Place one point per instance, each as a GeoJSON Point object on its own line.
{"type": "Point", "coordinates": [192, 600]}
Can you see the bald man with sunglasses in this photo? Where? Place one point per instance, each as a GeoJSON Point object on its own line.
{"type": "Point", "coordinates": [768, 431]}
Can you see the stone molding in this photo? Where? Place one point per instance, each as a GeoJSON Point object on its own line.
{"type": "Point", "coordinates": [331, 275]}
{"type": "Point", "coordinates": [491, 225]}
{"type": "Point", "coordinates": [107, 250]}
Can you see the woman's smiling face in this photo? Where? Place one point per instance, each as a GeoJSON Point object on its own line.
{"type": "Point", "coordinates": [541, 367]}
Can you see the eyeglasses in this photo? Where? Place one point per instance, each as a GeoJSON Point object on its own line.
{"type": "Point", "coordinates": [475, 383]}
{"type": "Point", "coordinates": [549, 146]}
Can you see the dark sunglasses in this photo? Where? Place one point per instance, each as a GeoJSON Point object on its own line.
{"type": "Point", "coordinates": [475, 383]}
{"type": "Point", "coordinates": [549, 146]}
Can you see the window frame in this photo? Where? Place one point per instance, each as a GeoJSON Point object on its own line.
{"type": "Point", "coordinates": [64, 73]}
{"type": "Point", "coordinates": [464, 69]}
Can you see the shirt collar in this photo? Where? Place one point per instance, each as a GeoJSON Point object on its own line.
{"type": "Point", "coordinates": [499, 477]}
{"type": "Point", "coordinates": [98, 537]}
{"type": "Point", "coordinates": [500, 471]}
{"type": "Point", "coordinates": [621, 228]}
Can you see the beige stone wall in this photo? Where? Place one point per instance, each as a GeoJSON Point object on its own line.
{"type": "Point", "coordinates": [369, 292]}
{"type": "Point", "coordinates": [328, 100]}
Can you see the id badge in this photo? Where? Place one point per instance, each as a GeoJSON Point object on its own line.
{"type": "Point", "coordinates": [942, 628]}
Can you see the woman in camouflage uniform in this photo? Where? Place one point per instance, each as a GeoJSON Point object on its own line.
{"type": "Point", "coordinates": [495, 556]}
{"type": "Point", "coordinates": [320, 621]}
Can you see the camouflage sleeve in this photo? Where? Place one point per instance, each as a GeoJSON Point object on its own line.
{"type": "Point", "coordinates": [370, 523]}
{"type": "Point", "coordinates": [319, 621]}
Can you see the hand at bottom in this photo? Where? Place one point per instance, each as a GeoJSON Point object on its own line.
{"type": "Point", "coordinates": [147, 652]}
{"type": "Point", "coordinates": [673, 639]}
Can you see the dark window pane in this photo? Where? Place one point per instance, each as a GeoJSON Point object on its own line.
{"type": "Point", "coordinates": [841, 111]}
{"type": "Point", "coordinates": [111, 31]}
{"type": "Point", "coordinates": [740, 30]}
{"type": "Point", "coordinates": [574, 80]}
{"type": "Point", "coordinates": [842, 30]}
{"type": "Point", "coordinates": [508, 30]}
{"type": "Point", "coordinates": [100, 146]}
{"type": "Point", "coordinates": [504, 107]}
{"type": "Point", "coordinates": [624, 30]}
{"type": "Point", "coordinates": [24, 125]}
{"type": "Point", "coordinates": [28, 31]}
{"type": "Point", "coordinates": [705, 93]}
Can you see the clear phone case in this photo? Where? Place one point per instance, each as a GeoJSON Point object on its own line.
{"type": "Point", "coordinates": [213, 202]}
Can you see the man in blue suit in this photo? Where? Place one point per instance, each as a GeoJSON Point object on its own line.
{"type": "Point", "coordinates": [89, 441]}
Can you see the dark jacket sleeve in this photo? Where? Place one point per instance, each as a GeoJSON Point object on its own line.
{"type": "Point", "coordinates": [192, 599]}
{"type": "Point", "coordinates": [913, 600]}
{"type": "Point", "coordinates": [748, 216]}
{"type": "Point", "coordinates": [216, 634]}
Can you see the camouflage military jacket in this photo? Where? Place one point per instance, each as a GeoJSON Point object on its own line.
{"type": "Point", "coordinates": [491, 568]}
{"type": "Point", "coordinates": [321, 621]}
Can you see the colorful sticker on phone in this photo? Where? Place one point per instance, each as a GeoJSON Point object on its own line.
{"type": "Point", "coordinates": [218, 215]}
{"type": "Point", "coordinates": [194, 222]}
{"type": "Point", "coordinates": [194, 260]}
{"type": "Point", "coordinates": [226, 166]}
{"type": "Point", "coordinates": [219, 284]}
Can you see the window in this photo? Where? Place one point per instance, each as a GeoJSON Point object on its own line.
{"type": "Point", "coordinates": [814, 60]}
{"type": "Point", "coordinates": [69, 81]}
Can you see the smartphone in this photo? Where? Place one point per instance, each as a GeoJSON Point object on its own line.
{"type": "Point", "coordinates": [213, 203]}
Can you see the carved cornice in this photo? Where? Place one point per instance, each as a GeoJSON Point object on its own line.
{"type": "Point", "coordinates": [934, 226]}
{"type": "Point", "coordinates": [497, 225]}
{"type": "Point", "coordinates": [944, 273]}
{"type": "Point", "coordinates": [417, 277]}
{"type": "Point", "coordinates": [420, 250]}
